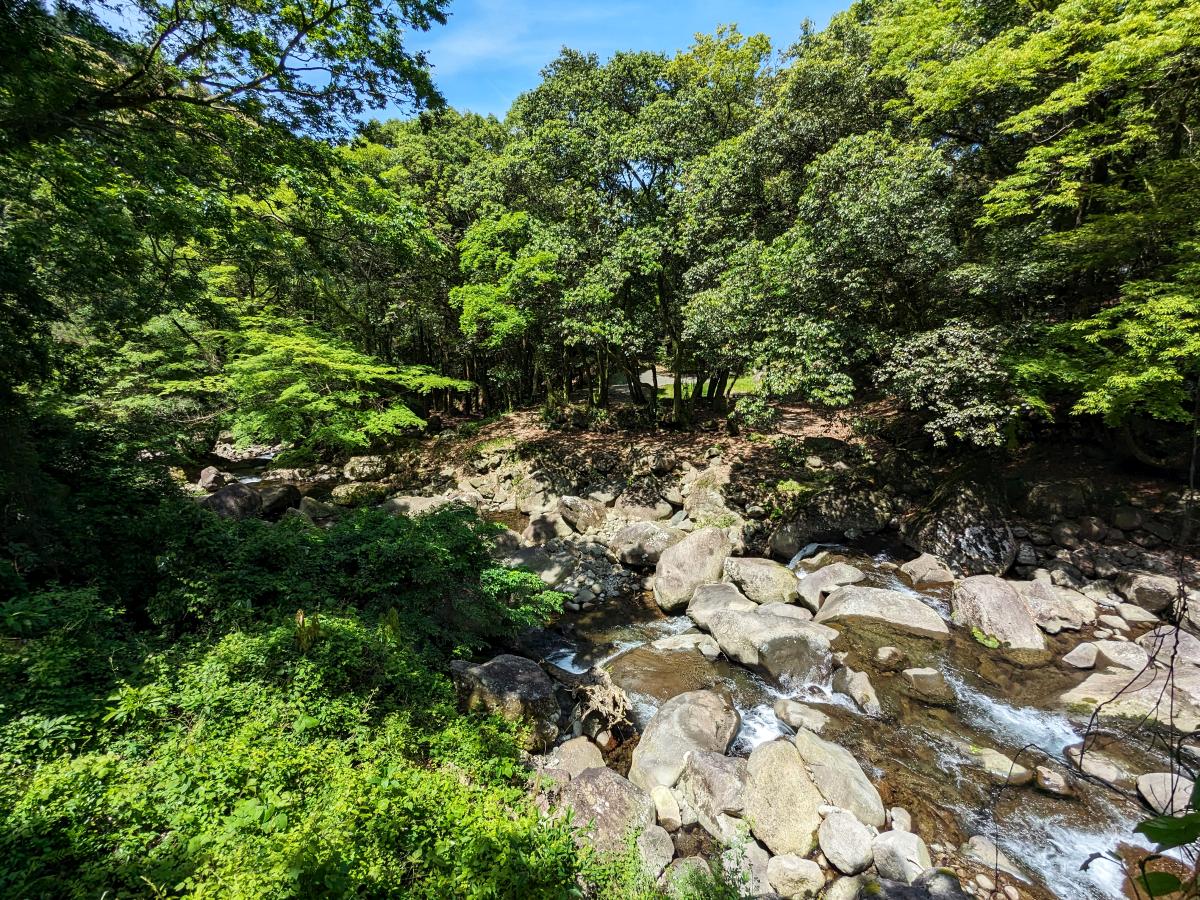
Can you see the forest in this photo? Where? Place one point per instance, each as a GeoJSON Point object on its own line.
{"type": "Point", "coordinates": [983, 215]}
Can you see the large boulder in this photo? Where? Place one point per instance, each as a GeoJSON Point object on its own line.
{"type": "Point", "coordinates": [1055, 608]}
{"type": "Point", "coordinates": [782, 801]}
{"type": "Point", "coordinates": [704, 498]}
{"type": "Point", "coordinates": [711, 599]}
{"type": "Point", "coordinates": [365, 468]}
{"type": "Point", "coordinates": [714, 785]}
{"type": "Point", "coordinates": [696, 720]}
{"type": "Point", "coordinates": [815, 586]}
{"type": "Point", "coordinates": [993, 608]}
{"type": "Point", "coordinates": [211, 478]}
{"type": "Point", "coordinates": [781, 646]}
{"type": "Point", "coordinates": [514, 687]}
{"type": "Point", "coordinates": [795, 878]}
{"type": "Point", "coordinates": [278, 499]}
{"type": "Point", "coordinates": [642, 543]}
{"type": "Point", "coordinates": [1122, 695]}
{"type": "Point", "coordinates": [846, 842]}
{"type": "Point", "coordinates": [615, 809]}
{"type": "Point", "coordinates": [840, 778]}
{"type": "Point", "coordinates": [1168, 645]}
{"type": "Point", "coordinates": [698, 559]}
{"type": "Point", "coordinates": [833, 515]}
{"type": "Point", "coordinates": [762, 580]}
{"type": "Point", "coordinates": [581, 514]}
{"type": "Point", "coordinates": [900, 856]}
{"type": "Point", "coordinates": [544, 527]}
{"type": "Point", "coordinates": [1152, 592]}
{"type": "Point", "coordinates": [927, 569]}
{"type": "Point", "coordinates": [234, 501]}
{"type": "Point", "coordinates": [1167, 793]}
{"type": "Point", "coordinates": [965, 527]}
{"type": "Point", "coordinates": [359, 493]}
{"type": "Point", "coordinates": [882, 611]}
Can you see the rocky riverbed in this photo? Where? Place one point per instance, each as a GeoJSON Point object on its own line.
{"type": "Point", "coordinates": [813, 701]}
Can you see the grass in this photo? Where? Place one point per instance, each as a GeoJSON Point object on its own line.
{"type": "Point", "coordinates": [746, 384]}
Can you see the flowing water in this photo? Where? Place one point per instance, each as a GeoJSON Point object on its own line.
{"type": "Point", "coordinates": [921, 757]}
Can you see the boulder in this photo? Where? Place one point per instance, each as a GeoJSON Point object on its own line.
{"type": "Point", "coordinates": [1167, 793]}
{"type": "Point", "coordinates": [545, 527]}
{"type": "Point", "coordinates": [704, 499]}
{"type": "Point", "coordinates": [967, 528]}
{"type": "Point", "coordinates": [412, 505]}
{"type": "Point", "coordinates": [365, 468]}
{"type": "Point", "coordinates": [615, 809]}
{"type": "Point", "coordinates": [927, 569]}
{"type": "Point", "coordinates": [994, 608]}
{"type": "Point", "coordinates": [1119, 694]}
{"type": "Point", "coordinates": [211, 478]}
{"type": "Point", "coordinates": [666, 808]}
{"type": "Point", "coordinates": [1053, 607]}
{"type": "Point", "coordinates": [846, 843]}
{"type": "Point", "coordinates": [781, 646]}
{"type": "Point", "coordinates": [981, 849]}
{"type": "Point", "coordinates": [714, 785]}
{"type": "Point", "coordinates": [833, 514]}
{"type": "Point", "coordinates": [581, 514]}
{"type": "Point", "coordinates": [642, 543]}
{"type": "Point", "coordinates": [797, 715]}
{"type": "Point", "coordinates": [695, 720]}
{"type": "Point", "coordinates": [1152, 592]}
{"type": "Point", "coordinates": [234, 501]}
{"type": "Point", "coordinates": [315, 509]}
{"type": "Point", "coordinates": [857, 686]}
{"type": "Point", "coordinates": [815, 586]}
{"type": "Point", "coordinates": [781, 799]}
{"type": "Point", "coordinates": [883, 611]}
{"type": "Point", "coordinates": [1167, 644]}
{"type": "Point", "coordinates": [839, 778]}
{"type": "Point", "coordinates": [711, 599]}
{"type": "Point", "coordinates": [900, 856]}
{"type": "Point", "coordinates": [576, 755]}
{"type": "Point", "coordinates": [746, 866]}
{"type": "Point", "coordinates": [514, 687]}
{"type": "Point", "coordinates": [278, 498]}
{"type": "Point", "coordinates": [358, 493]}
{"type": "Point", "coordinates": [762, 580]}
{"type": "Point", "coordinates": [1082, 656]}
{"type": "Point", "coordinates": [656, 850]}
{"type": "Point", "coordinates": [929, 685]}
{"type": "Point", "coordinates": [690, 641]}
{"type": "Point", "coordinates": [795, 878]}
{"type": "Point", "coordinates": [551, 569]}
{"type": "Point", "coordinates": [1120, 655]}
{"type": "Point", "coordinates": [1002, 769]}
{"type": "Point", "coordinates": [697, 559]}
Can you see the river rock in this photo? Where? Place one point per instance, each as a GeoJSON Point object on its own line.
{"type": "Point", "coordinates": [710, 599]}
{"type": "Point", "coordinates": [857, 686]}
{"type": "Point", "coordinates": [581, 514]}
{"type": "Point", "coordinates": [576, 755]}
{"type": "Point", "coordinates": [409, 505]}
{"type": "Point", "coordinates": [512, 686]}
{"type": "Point", "coordinates": [690, 641]}
{"type": "Point", "coordinates": [656, 850]}
{"type": "Point", "coordinates": [781, 646]}
{"type": "Point", "coordinates": [798, 715]}
{"type": "Point", "coordinates": [781, 799]}
{"type": "Point", "coordinates": [234, 501]}
{"type": "Point", "coordinates": [876, 609]}
{"type": "Point", "coordinates": [900, 856]}
{"type": "Point", "coordinates": [815, 586]}
{"type": "Point", "coordinates": [845, 888]}
{"type": "Point", "coordinates": [927, 569]}
{"type": "Point", "coordinates": [315, 509]}
{"type": "Point", "coordinates": [846, 843]}
{"type": "Point", "coordinates": [833, 514]}
{"type": "Point", "coordinates": [967, 528]}
{"type": "Point", "coordinates": [1000, 767]}
{"type": "Point", "coordinates": [704, 499]}
{"type": "Point", "coordinates": [697, 559]}
{"type": "Point", "coordinates": [1153, 592]}
{"type": "Point", "coordinates": [546, 527]}
{"type": "Point", "coordinates": [839, 778]}
{"type": "Point", "coordinates": [994, 607]}
{"type": "Point", "coordinates": [278, 499]}
{"type": "Point", "coordinates": [211, 478]}
{"type": "Point", "coordinates": [929, 685]}
{"type": "Point", "coordinates": [1081, 657]}
{"type": "Point", "coordinates": [794, 877]}
{"type": "Point", "coordinates": [714, 785]}
{"type": "Point", "coordinates": [1120, 655]}
{"type": "Point", "coordinates": [762, 580]}
{"type": "Point", "coordinates": [900, 819]}
{"type": "Point", "coordinates": [1091, 761]}
{"type": "Point", "coordinates": [553, 570]}
{"type": "Point", "coordinates": [666, 808]}
{"type": "Point", "coordinates": [358, 493]}
{"type": "Point", "coordinates": [696, 720]}
{"type": "Point", "coordinates": [642, 543]}
{"type": "Point", "coordinates": [614, 807]}
{"type": "Point", "coordinates": [1122, 694]}
{"type": "Point", "coordinates": [1167, 793]}
{"type": "Point", "coordinates": [746, 866]}
{"type": "Point", "coordinates": [1053, 782]}
{"type": "Point", "coordinates": [981, 849]}
{"type": "Point", "coordinates": [1168, 644]}
{"type": "Point", "coordinates": [1052, 606]}
{"type": "Point", "coordinates": [365, 468]}
{"type": "Point", "coordinates": [890, 659]}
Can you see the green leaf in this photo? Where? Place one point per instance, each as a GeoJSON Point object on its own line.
{"type": "Point", "coordinates": [1171, 831]}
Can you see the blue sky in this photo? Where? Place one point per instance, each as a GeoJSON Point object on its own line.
{"type": "Point", "coordinates": [492, 50]}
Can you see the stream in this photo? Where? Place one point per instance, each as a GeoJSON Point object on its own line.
{"type": "Point", "coordinates": [919, 756]}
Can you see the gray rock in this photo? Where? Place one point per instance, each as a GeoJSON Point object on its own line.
{"type": "Point", "coordinates": [691, 641]}
{"type": "Point", "coordinates": [890, 659]}
{"type": "Point", "coordinates": [211, 478]}
{"type": "Point", "coordinates": [697, 559]}
{"type": "Point", "coordinates": [839, 778]}
{"type": "Point", "coordinates": [815, 586]}
{"type": "Point", "coordinates": [234, 501]}
{"type": "Point", "coordinates": [1167, 644]}
{"type": "Point", "coordinates": [656, 850]}
{"type": "Point", "coordinates": [315, 509]}
{"type": "Point", "coordinates": [1082, 656]}
{"type": "Point", "coordinates": [746, 866]}
{"type": "Point", "coordinates": [695, 720]}
{"type": "Point", "coordinates": [514, 687]}
{"type": "Point", "coordinates": [666, 808]}
{"type": "Point", "coordinates": [581, 514]}
{"type": "Point", "coordinates": [642, 543]}
{"type": "Point", "coordinates": [967, 528]}
{"type": "Point", "coordinates": [846, 843]}
{"type": "Point", "coordinates": [1153, 592]}
{"type": "Point", "coordinates": [1053, 782]}
{"type": "Point", "coordinates": [794, 877]}
{"type": "Point", "coordinates": [927, 569]}
{"type": "Point", "coordinates": [981, 849]}
{"type": "Point", "coordinates": [993, 606]}
{"type": "Point", "coordinates": [900, 856]}
{"type": "Point", "coordinates": [798, 715]}
{"type": "Point", "coordinates": [881, 610]}
{"type": "Point", "coordinates": [762, 580]}
{"type": "Point", "coordinates": [1053, 607]}
{"type": "Point", "coordinates": [615, 809]}
{"type": "Point", "coordinates": [546, 527]}
{"type": "Point", "coordinates": [711, 599]}
{"type": "Point", "coordinates": [1121, 694]}
{"type": "Point", "coordinates": [781, 799]}
{"type": "Point", "coordinates": [278, 498]}
{"type": "Point", "coordinates": [414, 506]}
{"type": "Point", "coordinates": [1167, 793]}
{"type": "Point", "coordinates": [713, 786]}
{"type": "Point", "coordinates": [1120, 655]}
{"type": "Point", "coordinates": [781, 646]}
{"type": "Point", "coordinates": [929, 685]}
{"type": "Point", "coordinates": [577, 755]}
{"type": "Point", "coordinates": [900, 819]}
{"type": "Point", "coordinates": [365, 468]}
{"type": "Point", "coordinates": [848, 887]}
{"type": "Point", "coordinates": [857, 686]}
{"type": "Point", "coordinates": [553, 570]}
